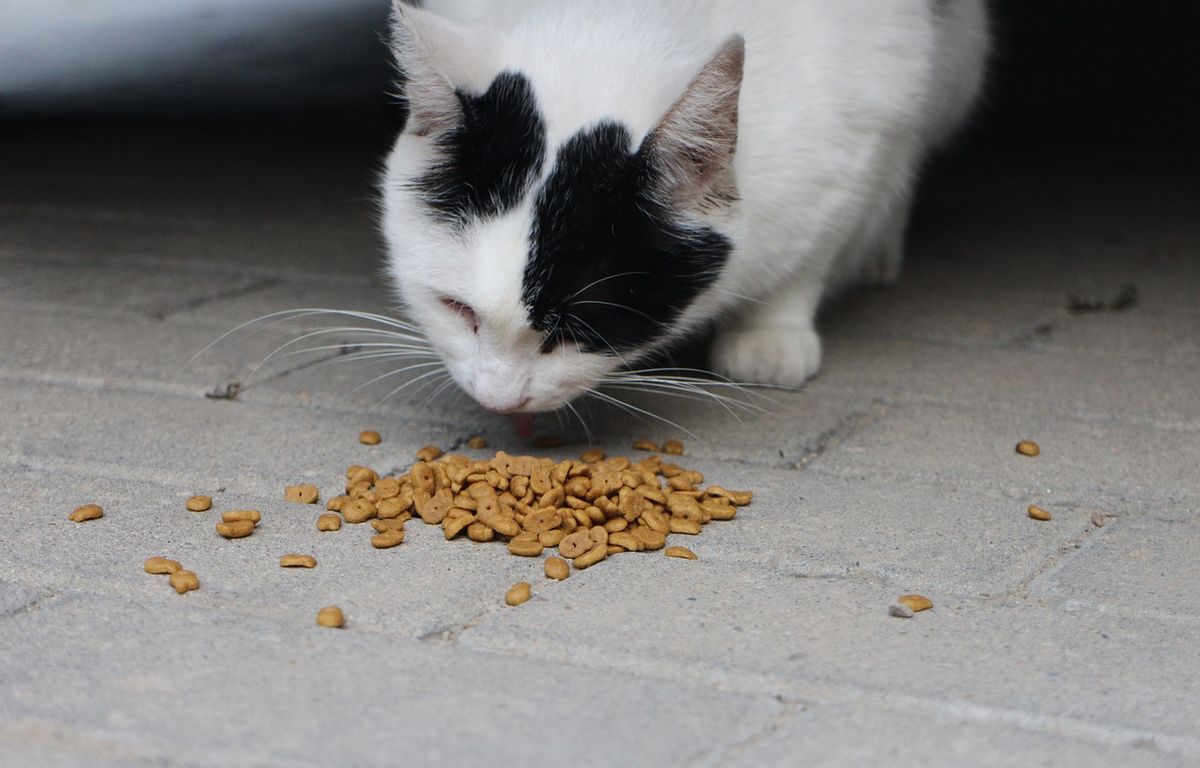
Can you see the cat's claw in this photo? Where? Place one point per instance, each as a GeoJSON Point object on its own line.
{"type": "Point", "coordinates": [784, 356]}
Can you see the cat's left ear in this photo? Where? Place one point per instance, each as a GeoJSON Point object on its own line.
{"type": "Point", "coordinates": [437, 57]}
{"type": "Point", "coordinates": [691, 149]}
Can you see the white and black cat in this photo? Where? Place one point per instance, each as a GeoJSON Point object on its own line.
{"type": "Point", "coordinates": [583, 182]}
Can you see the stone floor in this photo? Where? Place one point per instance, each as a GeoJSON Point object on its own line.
{"type": "Point", "coordinates": [1072, 642]}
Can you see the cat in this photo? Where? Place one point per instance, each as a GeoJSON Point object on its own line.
{"type": "Point", "coordinates": [581, 183]}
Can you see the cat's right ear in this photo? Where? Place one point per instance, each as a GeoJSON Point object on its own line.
{"type": "Point", "coordinates": [435, 57]}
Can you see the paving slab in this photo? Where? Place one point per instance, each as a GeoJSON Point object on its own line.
{"type": "Point", "coordinates": [167, 684]}
{"type": "Point", "coordinates": [1131, 566]}
{"type": "Point", "coordinates": [752, 630]}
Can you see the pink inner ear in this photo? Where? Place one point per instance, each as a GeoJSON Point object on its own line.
{"type": "Point", "coordinates": [462, 310]}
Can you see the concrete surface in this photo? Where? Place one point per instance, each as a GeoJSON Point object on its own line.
{"type": "Point", "coordinates": [1067, 643]}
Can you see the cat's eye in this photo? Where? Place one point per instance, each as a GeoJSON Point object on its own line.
{"type": "Point", "coordinates": [463, 310]}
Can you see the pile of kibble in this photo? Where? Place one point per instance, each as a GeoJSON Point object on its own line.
{"type": "Point", "coordinates": [588, 509]}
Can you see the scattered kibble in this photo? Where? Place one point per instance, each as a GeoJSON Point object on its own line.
{"type": "Point", "coordinates": [242, 515]}
{"type": "Point", "coordinates": [1028, 448]}
{"type": "Point", "coordinates": [1037, 513]}
{"type": "Point", "coordinates": [85, 513]}
{"type": "Point", "coordinates": [388, 539]}
{"type": "Point", "coordinates": [673, 448]}
{"type": "Point", "coordinates": [478, 442]}
{"type": "Point", "coordinates": [682, 552]}
{"type": "Point", "coordinates": [236, 529]}
{"type": "Point", "coordinates": [331, 616]}
{"type": "Point", "coordinates": [301, 494]}
{"type": "Point", "coordinates": [369, 437]}
{"type": "Point", "coordinates": [199, 504]}
{"type": "Point", "coordinates": [184, 581]}
{"type": "Point", "coordinates": [646, 445]}
{"type": "Point", "coordinates": [328, 522]}
{"type": "Point", "coordinates": [556, 568]}
{"type": "Point", "coordinates": [297, 561]}
{"type": "Point", "coordinates": [162, 565]}
{"type": "Point", "coordinates": [915, 603]}
{"type": "Point", "coordinates": [592, 456]}
{"type": "Point", "coordinates": [518, 593]}
{"type": "Point", "coordinates": [429, 453]}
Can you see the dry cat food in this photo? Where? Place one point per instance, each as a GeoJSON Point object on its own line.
{"type": "Point", "coordinates": [85, 513]}
{"type": "Point", "coordinates": [297, 561]}
{"type": "Point", "coordinates": [369, 437]}
{"type": "Point", "coordinates": [429, 453]}
{"type": "Point", "coordinates": [199, 504]}
{"type": "Point", "coordinates": [518, 593]}
{"type": "Point", "coordinates": [184, 581]}
{"type": "Point", "coordinates": [328, 522]}
{"type": "Point", "coordinates": [646, 445]}
{"type": "Point", "coordinates": [556, 568]}
{"type": "Point", "coordinates": [1037, 513]}
{"type": "Point", "coordinates": [915, 603]}
{"type": "Point", "coordinates": [331, 616]}
{"type": "Point", "coordinates": [1028, 448]}
{"type": "Point", "coordinates": [239, 523]}
{"type": "Point", "coordinates": [477, 443]}
{"type": "Point", "coordinates": [673, 448]}
{"type": "Point", "coordinates": [587, 509]}
{"type": "Point", "coordinates": [301, 494]}
{"type": "Point", "coordinates": [162, 566]}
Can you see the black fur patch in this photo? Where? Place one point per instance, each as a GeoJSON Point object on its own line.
{"type": "Point", "coordinates": [609, 267]}
{"type": "Point", "coordinates": [490, 160]}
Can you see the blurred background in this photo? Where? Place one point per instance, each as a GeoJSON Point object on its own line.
{"type": "Point", "coordinates": [1076, 70]}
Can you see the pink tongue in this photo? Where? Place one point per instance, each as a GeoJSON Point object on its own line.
{"type": "Point", "coordinates": [523, 424]}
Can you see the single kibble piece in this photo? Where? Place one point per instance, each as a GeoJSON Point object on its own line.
{"type": "Point", "coordinates": [646, 445]}
{"type": "Point", "coordinates": [85, 513]}
{"type": "Point", "coordinates": [592, 456]}
{"type": "Point", "coordinates": [673, 448]}
{"type": "Point", "coordinates": [518, 593]}
{"type": "Point", "coordinates": [525, 548]}
{"type": "Point", "coordinates": [199, 504]}
{"type": "Point", "coordinates": [297, 561]}
{"type": "Point", "coordinates": [900, 611]}
{"type": "Point", "coordinates": [1028, 448]}
{"type": "Point", "coordinates": [161, 565]}
{"type": "Point", "coordinates": [915, 603]}
{"type": "Point", "coordinates": [369, 437]}
{"type": "Point", "coordinates": [241, 515]}
{"type": "Point", "coordinates": [238, 529]}
{"type": "Point", "coordinates": [557, 568]}
{"type": "Point", "coordinates": [184, 581]}
{"type": "Point", "coordinates": [477, 442]}
{"type": "Point", "coordinates": [682, 552]}
{"type": "Point", "coordinates": [331, 616]}
{"type": "Point", "coordinates": [328, 522]}
{"type": "Point", "coordinates": [388, 539]}
{"type": "Point", "coordinates": [1037, 513]}
{"type": "Point", "coordinates": [429, 453]}
{"type": "Point", "coordinates": [302, 494]}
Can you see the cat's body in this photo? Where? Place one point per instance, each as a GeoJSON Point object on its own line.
{"type": "Point", "coordinates": [636, 174]}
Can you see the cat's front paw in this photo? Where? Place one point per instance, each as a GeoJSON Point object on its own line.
{"type": "Point", "coordinates": [785, 356]}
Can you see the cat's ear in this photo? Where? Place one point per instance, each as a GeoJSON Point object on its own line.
{"type": "Point", "coordinates": [436, 56]}
{"type": "Point", "coordinates": [691, 149]}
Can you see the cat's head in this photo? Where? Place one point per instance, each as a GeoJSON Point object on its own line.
{"type": "Point", "coordinates": [541, 251]}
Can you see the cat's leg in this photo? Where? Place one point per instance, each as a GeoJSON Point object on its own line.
{"type": "Point", "coordinates": [884, 256]}
{"type": "Point", "coordinates": [774, 342]}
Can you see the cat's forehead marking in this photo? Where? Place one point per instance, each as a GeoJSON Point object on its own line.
{"type": "Point", "coordinates": [609, 265]}
{"type": "Point", "coordinates": [488, 163]}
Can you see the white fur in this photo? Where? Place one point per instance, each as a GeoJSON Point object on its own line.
{"type": "Point", "coordinates": [841, 102]}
